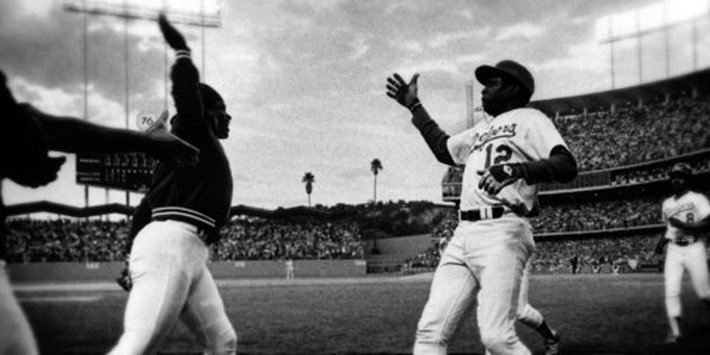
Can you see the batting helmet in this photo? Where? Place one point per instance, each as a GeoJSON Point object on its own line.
{"type": "Point", "coordinates": [681, 170]}
{"type": "Point", "coordinates": [507, 68]}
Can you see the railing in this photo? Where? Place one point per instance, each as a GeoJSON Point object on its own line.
{"type": "Point", "coordinates": [651, 228]}
{"type": "Point", "coordinates": [630, 175]}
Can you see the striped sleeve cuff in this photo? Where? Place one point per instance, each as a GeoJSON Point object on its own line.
{"type": "Point", "coordinates": [182, 53]}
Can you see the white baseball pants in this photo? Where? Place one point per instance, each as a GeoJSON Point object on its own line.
{"type": "Point", "coordinates": [15, 333]}
{"type": "Point", "coordinates": [526, 313]}
{"type": "Point", "coordinates": [693, 258]}
{"type": "Point", "coordinates": [488, 258]}
{"type": "Point", "coordinates": [171, 281]}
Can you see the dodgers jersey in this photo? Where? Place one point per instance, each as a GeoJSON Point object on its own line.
{"type": "Point", "coordinates": [517, 136]}
{"type": "Point", "coordinates": [689, 208]}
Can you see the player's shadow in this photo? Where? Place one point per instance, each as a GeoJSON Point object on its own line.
{"type": "Point", "coordinates": [695, 341]}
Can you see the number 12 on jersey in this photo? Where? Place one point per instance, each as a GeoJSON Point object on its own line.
{"type": "Point", "coordinates": [502, 154]}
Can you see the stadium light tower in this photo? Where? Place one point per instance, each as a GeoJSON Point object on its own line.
{"type": "Point", "coordinates": [200, 13]}
{"type": "Point", "coordinates": [650, 19]}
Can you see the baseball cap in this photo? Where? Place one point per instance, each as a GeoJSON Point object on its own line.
{"type": "Point", "coordinates": [508, 68]}
{"type": "Point", "coordinates": [681, 169]}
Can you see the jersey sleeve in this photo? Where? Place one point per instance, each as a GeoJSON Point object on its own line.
{"type": "Point", "coordinates": [190, 123]}
{"type": "Point", "coordinates": [459, 147]}
{"type": "Point", "coordinates": [702, 205]}
{"type": "Point", "coordinates": [541, 135]}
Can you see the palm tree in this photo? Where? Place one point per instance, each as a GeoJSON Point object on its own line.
{"type": "Point", "coordinates": [309, 179]}
{"type": "Point", "coordinates": [375, 166]}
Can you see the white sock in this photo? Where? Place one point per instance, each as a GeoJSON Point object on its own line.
{"type": "Point", "coordinates": [675, 328]}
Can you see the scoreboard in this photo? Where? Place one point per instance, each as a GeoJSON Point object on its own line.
{"type": "Point", "coordinates": [131, 171]}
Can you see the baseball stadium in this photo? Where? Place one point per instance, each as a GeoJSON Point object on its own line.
{"type": "Point", "coordinates": [351, 271]}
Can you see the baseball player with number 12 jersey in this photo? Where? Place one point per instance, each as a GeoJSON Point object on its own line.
{"type": "Point", "coordinates": [687, 213]}
{"type": "Point", "coordinates": [505, 160]}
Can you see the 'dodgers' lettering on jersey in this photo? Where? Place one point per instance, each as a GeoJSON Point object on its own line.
{"type": "Point", "coordinates": [494, 132]}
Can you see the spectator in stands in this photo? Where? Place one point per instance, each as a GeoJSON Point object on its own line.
{"type": "Point", "coordinates": [574, 262]}
{"type": "Point", "coordinates": [605, 140]}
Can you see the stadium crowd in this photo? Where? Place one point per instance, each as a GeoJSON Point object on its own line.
{"type": "Point", "coordinates": [254, 239]}
{"type": "Point", "coordinates": [590, 216]}
{"type": "Point", "coordinates": [635, 176]}
{"type": "Point", "coordinates": [608, 139]}
{"type": "Point", "coordinates": [259, 239]}
{"type": "Point", "coordinates": [554, 256]}
{"type": "Point", "coordinates": [597, 215]}
{"type": "Point", "coordinates": [66, 240]}
{"type": "Point", "coordinates": [597, 255]}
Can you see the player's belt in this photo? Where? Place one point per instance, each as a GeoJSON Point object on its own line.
{"type": "Point", "coordinates": [683, 243]}
{"type": "Point", "coordinates": [204, 233]}
{"type": "Point", "coordinates": [491, 212]}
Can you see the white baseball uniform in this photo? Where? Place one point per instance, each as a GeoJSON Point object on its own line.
{"type": "Point", "coordinates": [488, 256]}
{"type": "Point", "coordinates": [15, 333]}
{"type": "Point", "coordinates": [685, 251]}
{"type": "Point", "coordinates": [290, 269]}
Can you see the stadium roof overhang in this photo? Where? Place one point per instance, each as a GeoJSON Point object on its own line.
{"type": "Point", "coordinates": [649, 92]}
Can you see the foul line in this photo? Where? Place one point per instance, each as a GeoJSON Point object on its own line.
{"type": "Point", "coordinates": [58, 299]}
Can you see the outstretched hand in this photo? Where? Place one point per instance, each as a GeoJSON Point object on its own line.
{"type": "Point", "coordinates": [39, 172]}
{"type": "Point", "coordinates": [161, 124]}
{"type": "Point", "coordinates": [402, 92]}
{"type": "Point", "coordinates": [29, 164]}
{"type": "Point", "coordinates": [172, 36]}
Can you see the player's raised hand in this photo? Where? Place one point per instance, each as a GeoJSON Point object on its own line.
{"type": "Point", "coordinates": [403, 92]}
{"type": "Point", "coordinates": [172, 36]}
{"type": "Point", "coordinates": [497, 177]}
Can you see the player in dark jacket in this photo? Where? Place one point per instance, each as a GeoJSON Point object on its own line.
{"type": "Point", "coordinates": [26, 136]}
{"type": "Point", "coordinates": [187, 205]}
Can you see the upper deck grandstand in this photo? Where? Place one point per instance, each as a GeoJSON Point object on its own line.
{"type": "Point", "coordinates": [627, 136]}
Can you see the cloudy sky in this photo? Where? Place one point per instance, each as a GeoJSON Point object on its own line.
{"type": "Point", "coordinates": [304, 81]}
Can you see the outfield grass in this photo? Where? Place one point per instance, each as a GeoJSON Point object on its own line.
{"type": "Point", "coordinates": [603, 314]}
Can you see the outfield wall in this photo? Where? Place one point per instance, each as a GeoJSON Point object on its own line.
{"type": "Point", "coordinates": [102, 272]}
{"type": "Point", "coordinates": [398, 248]}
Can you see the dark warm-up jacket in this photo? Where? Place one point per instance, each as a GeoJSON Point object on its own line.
{"type": "Point", "coordinates": [201, 194]}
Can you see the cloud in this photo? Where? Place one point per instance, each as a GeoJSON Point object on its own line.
{"type": "Point", "coordinates": [371, 130]}
{"type": "Point", "coordinates": [35, 8]}
{"type": "Point", "coordinates": [409, 45]}
{"type": "Point", "coordinates": [57, 101]}
{"type": "Point", "coordinates": [453, 66]}
{"type": "Point", "coordinates": [360, 48]}
{"type": "Point", "coordinates": [52, 53]}
{"type": "Point", "coordinates": [521, 30]}
{"type": "Point", "coordinates": [589, 56]}
{"type": "Point", "coordinates": [444, 39]}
